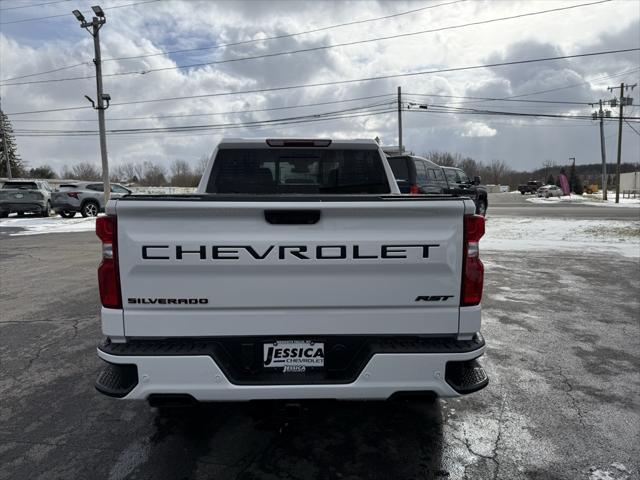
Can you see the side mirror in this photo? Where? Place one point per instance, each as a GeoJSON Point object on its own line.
{"type": "Point", "coordinates": [477, 180]}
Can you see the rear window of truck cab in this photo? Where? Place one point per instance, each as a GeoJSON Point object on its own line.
{"type": "Point", "coordinates": [298, 171]}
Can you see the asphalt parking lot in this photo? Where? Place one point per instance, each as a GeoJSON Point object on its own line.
{"type": "Point", "coordinates": [563, 357]}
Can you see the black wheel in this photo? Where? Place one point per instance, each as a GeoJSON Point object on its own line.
{"type": "Point", "coordinates": [481, 209]}
{"type": "Point", "coordinates": [522, 193]}
{"type": "Point", "coordinates": [20, 214]}
{"type": "Point", "coordinates": [67, 214]}
{"type": "Point", "coordinates": [46, 211]}
{"type": "Point", "coordinates": [4, 214]}
{"type": "Point", "coordinates": [90, 209]}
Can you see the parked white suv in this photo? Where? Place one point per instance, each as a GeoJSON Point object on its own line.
{"type": "Point", "coordinates": [84, 197]}
{"type": "Point", "coordinates": [25, 196]}
{"type": "Point", "coordinates": [297, 271]}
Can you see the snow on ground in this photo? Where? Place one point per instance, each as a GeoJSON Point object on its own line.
{"type": "Point", "coordinates": [502, 233]}
{"type": "Point", "coordinates": [37, 225]}
{"type": "Point", "coordinates": [589, 199]}
{"type": "Point", "coordinates": [533, 233]}
{"type": "Point", "coordinates": [162, 190]}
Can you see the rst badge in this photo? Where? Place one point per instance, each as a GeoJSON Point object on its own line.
{"type": "Point", "coordinates": [293, 355]}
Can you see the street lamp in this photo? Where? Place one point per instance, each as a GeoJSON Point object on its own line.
{"type": "Point", "coordinates": [93, 27]}
{"type": "Point", "coordinates": [79, 16]}
{"type": "Point", "coordinates": [98, 11]}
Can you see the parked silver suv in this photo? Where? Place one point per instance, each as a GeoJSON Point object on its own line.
{"type": "Point", "coordinates": [84, 197]}
{"type": "Point", "coordinates": [25, 196]}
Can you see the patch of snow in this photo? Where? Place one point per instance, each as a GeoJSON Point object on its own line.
{"type": "Point", "coordinates": [619, 466]}
{"type": "Point", "coordinates": [591, 200]}
{"type": "Point", "coordinates": [36, 225]}
{"type": "Point", "coordinates": [600, 474]}
{"type": "Point", "coordinates": [162, 190]}
{"type": "Point", "coordinates": [526, 234]}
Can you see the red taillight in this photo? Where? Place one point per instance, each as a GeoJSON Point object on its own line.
{"type": "Point", "coordinates": [414, 189]}
{"type": "Point", "coordinates": [73, 194]}
{"type": "Point", "coordinates": [108, 275]}
{"type": "Point", "coordinates": [472, 268]}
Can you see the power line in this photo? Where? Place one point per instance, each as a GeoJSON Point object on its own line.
{"type": "Point", "coordinates": [33, 5]}
{"type": "Point", "coordinates": [631, 127]}
{"type": "Point", "coordinates": [540, 92]}
{"type": "Point", "coordinates": [154, 117]}
{"type": "Point", "coordinates": [311, 49]}
{"type": "Point", "coordinates": [33, 19]}
{"type": "Point", "coordinates": [213, 113]}
{"type": "Point", "coordinates": [384, 107]}
{"type": "Point", "coordinates": [345, 82]}
{"type": "Point", "coordinates": [245, 42]}
{"type": "Point", "coordinates": [287, 35]}
{"type": "Point", "coordinates": [473, 111]}
{"type": "Point", "coordinates": [206, 126]}
{"type": "Point", "coordinates": [227, 126]}
{"type": "Point", "coordinates": [562, 102]}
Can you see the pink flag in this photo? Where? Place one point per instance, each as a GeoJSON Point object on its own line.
{"type": "Point", "coordinates": [564, 184]}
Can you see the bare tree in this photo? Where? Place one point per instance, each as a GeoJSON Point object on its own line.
{"type": "Point", "coordinates": [497, 172]}
{"type": "Point", "coordinates": [127, 172]}
{"type": "Point", "coordinates": [444, 159]}
{"type": "Point", "coordinates": [182, 175]}
{"type": "Point", "coordinates": [470, 166]}
{"type": "Point", "coordinates": [154, 175]}
{"type": "Point", "coordinates": [201, 165]}
{"type": "Point", "coordinates": [82, 171]}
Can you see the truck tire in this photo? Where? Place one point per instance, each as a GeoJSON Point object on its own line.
{"type": "Point", "coordinates": [4, 214]}
{"type": "Point", "coordinates": [47, 209]}
{"type": "Point", "coordinates": [67, 214]}
{"type": "Point", "coordinates": [522, 192]}
{"type": "Point", "coordinates": [90, 209]}
{"type": "Point", "coordinates": [20, 214]}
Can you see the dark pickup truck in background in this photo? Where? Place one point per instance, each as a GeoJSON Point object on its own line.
{"type": "Point", "coordinates": [531, 187]}
{"type": "Point", "coordinates": [461, 185]}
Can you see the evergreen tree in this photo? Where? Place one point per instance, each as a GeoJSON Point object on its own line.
{"type": "Point", "coordinates": [551, 180]}
{"type": "Point", "coordinates": [574, 180]}
{"type": "Point", "coordinates": [6, 136]}
{"type": "Point", "coordinates": [43, 171]}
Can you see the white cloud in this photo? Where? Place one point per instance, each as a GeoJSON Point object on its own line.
{"type": "Point", "coordinates": [478, 129]}
{"type": "Point", "coordinates": [190, 24]}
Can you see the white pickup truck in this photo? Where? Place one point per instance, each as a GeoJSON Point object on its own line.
{"type": "Point", "coordinates": [297, 271]}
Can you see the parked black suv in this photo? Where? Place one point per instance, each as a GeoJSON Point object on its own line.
{"type": "Point", "coordinates": [460, 184]}
{"type": "Point", "coordinates": [417, 175]}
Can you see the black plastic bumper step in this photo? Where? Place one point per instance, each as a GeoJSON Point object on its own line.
{"type": "Point", "coordinates": [466, 377]}
{"type": "Point", "coordinates": [117, 380]}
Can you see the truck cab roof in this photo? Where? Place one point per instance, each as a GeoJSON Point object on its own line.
{"type": "Point", "coordinates": [295, 142]}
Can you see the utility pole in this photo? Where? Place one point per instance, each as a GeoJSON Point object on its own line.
{"type": "Point", "coordinates": [623, 101]}
{"type": "Point", "coordinates": [93, 27]}
{"type": "Point", "coordinates": [619, 144]}
{"type": "Point", "coordinates": [601, 114]}
{"type": "Point", "coordinates": [400, 120]}
{"type": "Point", "coordinates": [5, 149]}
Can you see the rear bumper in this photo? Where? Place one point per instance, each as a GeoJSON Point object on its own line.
{"type": "Point", "coordinates": [445, 372]}
{"type": "Point", "coordinates": [66, 207]}
{"type": "Point", "coordinates": [22, 207]}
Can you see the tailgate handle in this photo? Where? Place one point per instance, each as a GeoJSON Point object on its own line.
{"type": "Point", "coordinates": [292, 217]}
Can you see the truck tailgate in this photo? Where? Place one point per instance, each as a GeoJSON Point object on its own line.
{"type": "Point", "coordinates": [220, 268]}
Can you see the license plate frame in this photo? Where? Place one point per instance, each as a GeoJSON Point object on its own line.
{"type": "Point", "coordinates": [293, 356]}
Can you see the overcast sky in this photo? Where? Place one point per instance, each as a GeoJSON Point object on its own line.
{"type": "Point", "coordinates": [155, 27]}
